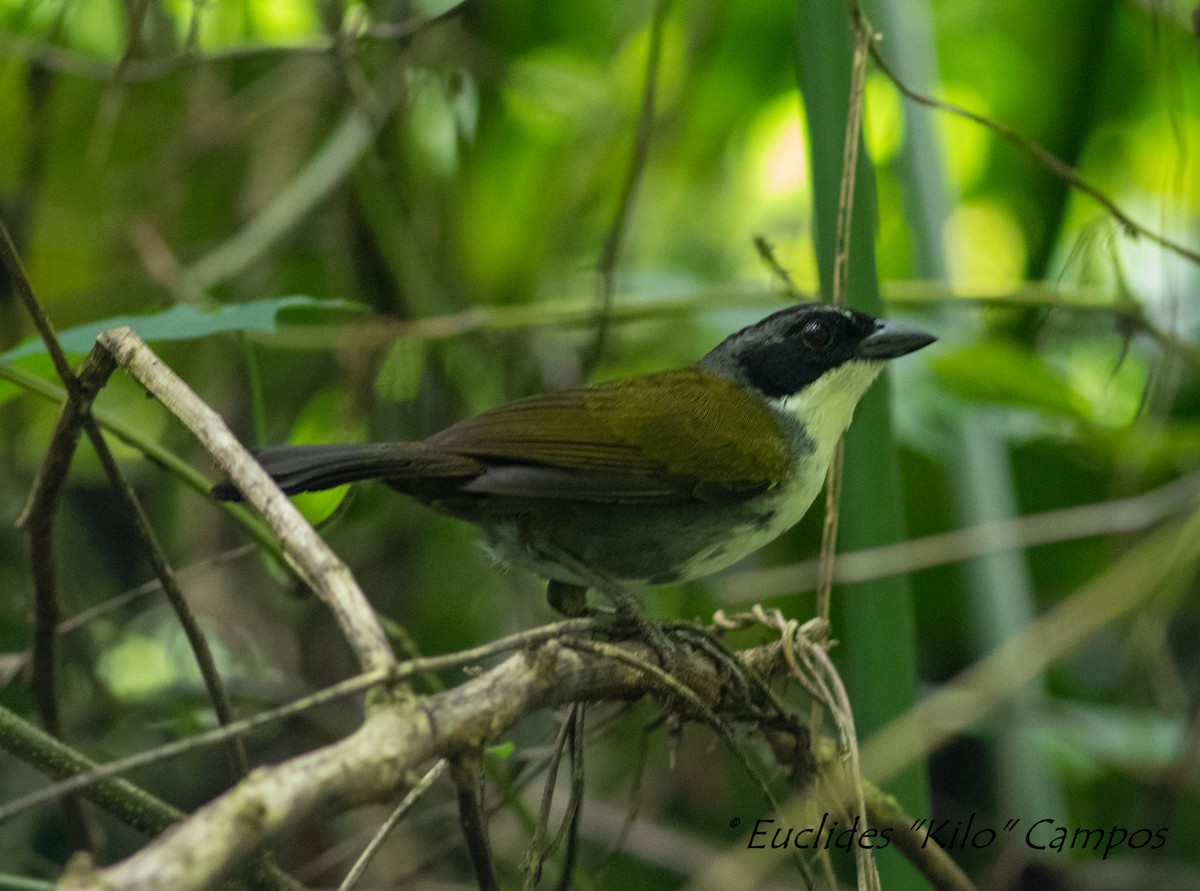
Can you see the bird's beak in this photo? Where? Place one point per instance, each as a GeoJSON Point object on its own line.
{"type": "Point", "coordinates": [891, 339]}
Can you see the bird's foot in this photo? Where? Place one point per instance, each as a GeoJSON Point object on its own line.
{"type": "Point", "coordinates": [627, 621]}
{"type": "Point", "coordinates": [567, 599]}
{"type": "Point", "coordinates": [630, 622]}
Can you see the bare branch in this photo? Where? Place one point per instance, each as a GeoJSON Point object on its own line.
{"type": "Point", "coordinates": [465, 773]}
{"type": "Point", "coordinates": [606, 267]}
{"type": "Point", "coordinates": [132, 805]}
{"type": "Point", "coordinates": [308, 553]}
{"type": "Point", "coordinates": [341, 690]}
{"type": "Point", "coordinates": [1119, 515]}
{"type": "Point", "coordinates": [1112, 594]}
{"type": "Point", "coordinates": [1047, 159]}
{"type": "Point", "coordinates": [376, 761]}
{"type": "Point", "coordinates": [393, 820]}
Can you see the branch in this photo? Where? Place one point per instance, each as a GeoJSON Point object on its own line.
{"type": "Point", "coordinates": [378, 759]}
{"type": "Point", "coordinates": [328, 576]}
{"type": "Point", "coordinates": [124, 800]}
{"type": "Point", "coordinates": [1118, 515]}
{"type": "Point", "coordinates": [923, 852]}
{"type": "Point", "coordinates": [66, 61]}
{"type": "Point", "coordinates": [127, 802]}
{"type": "Point", "coordinates": [38, 514]}
{"type": "Point", "coordinates": [974, 693]}
{"type": "Point", "coordinates": [1047, 159]}
{"type": "Point", "coordinates": [38, 518]}
{"type": "Point", "coordinates": [606, 266]}
{"type": "Point", "coordinates": [393, 820]}
{"type": "Point", "coordinates": [349, 687]}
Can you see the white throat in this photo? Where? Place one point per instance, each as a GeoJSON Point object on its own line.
{"type": "Point", "coordinates": [826, 406]}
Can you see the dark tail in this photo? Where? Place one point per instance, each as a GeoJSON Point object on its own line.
{"type": "Point", "coordinates": [310, 468]}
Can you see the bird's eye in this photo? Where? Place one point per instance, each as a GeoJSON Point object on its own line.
{"type": "Point", "coordinates": [817, 335]}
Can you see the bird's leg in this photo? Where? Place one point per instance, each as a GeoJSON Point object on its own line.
{"type": "Point", "coordinates": [630, 611]}
{"type": "Point", "coordinates": [564, 596]}
{"type": "Point", "coordinates": [567, 599]}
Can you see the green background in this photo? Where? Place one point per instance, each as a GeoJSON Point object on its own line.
{"type": "Point", "coordinates": [353, 222]}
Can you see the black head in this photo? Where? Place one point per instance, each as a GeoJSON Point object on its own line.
{"type": "Point", "coordinates": [790, 349]}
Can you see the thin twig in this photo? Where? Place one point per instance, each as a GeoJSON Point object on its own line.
{"type": "Point", "coordinates": [841, 266]}
{"type": "Point", "coordinates": [606, 266]}
{"type": "Point", "coordinates": [57, 58]}
{"type": "Point", "coordinates": [566, 879]}
{"type": "Point", "coordinates": [329, 577]}
{"type": "Point", "coordinates": [393, 820]}
{"type": "Point", "coordinates": [470, 820]}
{"type": "Point", "coordinates": [92, 613]}
{"type": "Point", "coordinates": [1119, 515]}
{"type": "Point", "coordinates": [39, 516]}
{"type": "Point", "coordinates": [822, 670]}
{"type": "Point", "coordinates": [858, 73]}
{"type": "Point", "coordinates": [766, 252]}
{"type": "Point", "coordinates": [1044, 157]}
{"type": "Point", "coordinates": [129, 803]}
{"type": "Point", "coordinates": [153, 551]}
{"type": "Point", "coordinates": [119, 601]}
{"type": "Point", "coordinates": [539, 848]}
{"type": "Point", "coordinates": [349, 687]}
{"type": "Point", "coordinates": [863, 35]}
{"type": "Point", "coordinates": [829, 531]}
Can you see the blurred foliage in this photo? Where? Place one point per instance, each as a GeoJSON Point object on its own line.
{"type": "Point", "coordinates": [320, 213]}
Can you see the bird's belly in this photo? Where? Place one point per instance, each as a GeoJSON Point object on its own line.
{"type": "Point", "coordinates": [650, 544]}
{"type": "Point", "coordinates": [773, 516]}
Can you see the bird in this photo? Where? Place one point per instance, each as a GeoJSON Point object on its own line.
{"type": "Point", "coordinates": [658, 478]}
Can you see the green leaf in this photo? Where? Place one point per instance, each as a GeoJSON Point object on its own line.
{"type": "Point", "coordinates": [1088, 740]}
{"type": "Point", "coordinates": [434, 130]}
{"type": "Point", "coordinates": [187, 321]}
{"type": "Point", "coordinates": [39, 366]}
{"type": "Point", "coordinates": [137, 668]}
{"type": "Point", "coordinates": [1005, 373]}
{"type": "Point", "coordinates": [500, 750]}
{"type": "Point", "coordinates": [434, 8]}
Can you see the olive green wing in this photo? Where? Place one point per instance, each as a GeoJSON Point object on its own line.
{"type": "Point", "coordinates": [677, 436]}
